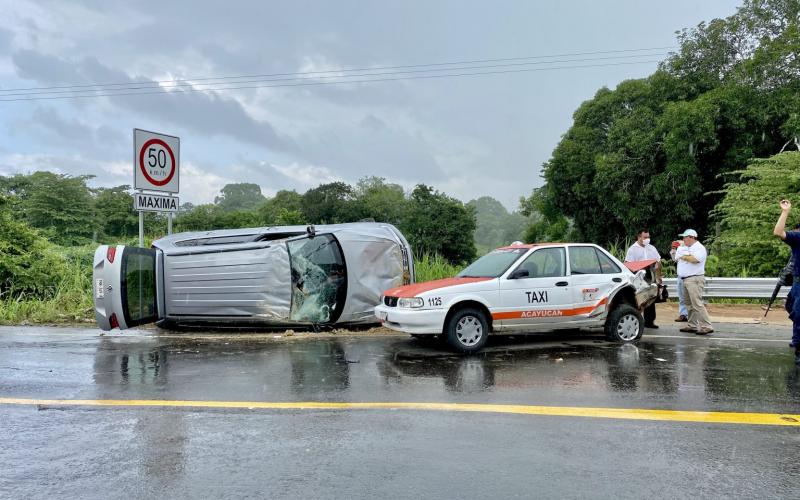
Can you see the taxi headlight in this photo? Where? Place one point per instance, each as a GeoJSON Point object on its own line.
{"type": "Point", "coordinates": [411, 302]}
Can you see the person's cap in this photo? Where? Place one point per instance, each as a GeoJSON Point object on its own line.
{"type": "Point", "coordinates": [689, 232]}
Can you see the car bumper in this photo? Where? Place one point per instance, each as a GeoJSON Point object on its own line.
{"type": "Point", "coordinates": [416, 321]}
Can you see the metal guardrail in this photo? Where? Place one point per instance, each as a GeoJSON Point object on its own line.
{"type": "Point", "coordinates": [735, 288]}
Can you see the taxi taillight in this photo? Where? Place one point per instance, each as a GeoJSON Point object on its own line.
{"type": "Point", "coordinates": [112, 252]}
{"type": "Point", "coordinates": [113, 320]}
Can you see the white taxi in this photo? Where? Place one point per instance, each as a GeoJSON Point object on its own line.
{"type": "Point", "coordinates": [527, 288]}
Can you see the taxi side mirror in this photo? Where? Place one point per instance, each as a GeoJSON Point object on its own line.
{"type": "Point", "coordinates": [519, 273]}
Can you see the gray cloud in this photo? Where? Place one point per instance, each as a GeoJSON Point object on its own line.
{"type": "Point", "coordinates": [66, 130]}
{"type": "Point", "coordinates": [75, 135]}
{"type": "Point", "coordinates": [372, 122]}
{"type": "Point", "coordinates": [5, 40]}
{"type": "Point", "coordinates": [46, 69]}
{"type": "Point", "coordinates": [201, 112]}
{"type": "Point", "coordinates": [469, 136]}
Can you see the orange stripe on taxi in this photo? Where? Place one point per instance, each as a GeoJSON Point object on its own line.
{"type": "Point", "coordinates": [548, 313]}
{"type": "Point", "coordinates": [417, 288]}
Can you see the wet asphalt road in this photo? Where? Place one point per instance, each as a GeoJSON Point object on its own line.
{"type": "Point", "coordinates": [117, 452]}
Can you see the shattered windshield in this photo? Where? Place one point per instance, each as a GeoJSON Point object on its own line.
{"type": "Point", "coordinates": [493, 264]}
{"type": "Point", "coordinates": [319, 279]}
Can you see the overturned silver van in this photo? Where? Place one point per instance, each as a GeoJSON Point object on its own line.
{"type": "Point", "coordinates": [276, 276]}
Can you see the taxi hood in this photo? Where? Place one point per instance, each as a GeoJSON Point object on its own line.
{"type": "Point", "coordinates": [418, 288]}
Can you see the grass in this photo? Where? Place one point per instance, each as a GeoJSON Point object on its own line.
{"type": "Point", "coordinates": [434, 267]}
{"type": "Point", "coordinates": [68, 302]}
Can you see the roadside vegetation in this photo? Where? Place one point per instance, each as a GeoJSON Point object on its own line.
{"type": "Point", "coordinates": [663, 152]}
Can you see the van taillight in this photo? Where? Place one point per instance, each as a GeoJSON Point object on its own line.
{"type": "Point", "coordinates": [112, 252]}
{"type": "Point", "coordinates": [113, 320]}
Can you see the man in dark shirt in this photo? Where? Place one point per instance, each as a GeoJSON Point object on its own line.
{"type": "Point", "coordinates": [792, 238]}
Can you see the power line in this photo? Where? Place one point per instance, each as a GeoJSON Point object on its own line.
{"type": "Point", "coordinates": [179, 84]}
{"type": "Point", "coordinates": [376, 68]}
{"type": "Point", "coordinates": [315, 83]}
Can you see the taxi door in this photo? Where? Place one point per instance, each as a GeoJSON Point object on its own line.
{"type": "Point", "coordinates": [594, 275]}
{"type": "Point", "coordinates": [126, 290]}
{"type": "Point", "coordinates": [536, 292]}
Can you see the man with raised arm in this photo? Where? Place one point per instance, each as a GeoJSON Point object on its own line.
{"type": "Point", "coordinates": [791, 238]}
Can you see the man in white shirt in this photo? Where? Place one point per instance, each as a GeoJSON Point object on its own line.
{"type": "Point", "coordinates": [643, 250]}
{"type": "Point", "coordinates": [691, 259]}
{"type": "Point", "coordinates": [683, 314]}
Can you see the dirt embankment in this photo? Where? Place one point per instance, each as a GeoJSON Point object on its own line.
{"type": "Point", "coordinates": [730, 313]}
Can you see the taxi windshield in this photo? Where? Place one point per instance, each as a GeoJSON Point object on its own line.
{"type": "Point", "coordinates": [493, 264]}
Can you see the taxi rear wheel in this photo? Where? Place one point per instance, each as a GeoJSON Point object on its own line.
{"type": "Point", "coordinates": [624, 324]}
{"type": "Point", "coordinates": [467, 330]}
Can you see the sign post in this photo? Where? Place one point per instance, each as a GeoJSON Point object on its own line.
{"type": "Point", "coordinates": [156, 162]}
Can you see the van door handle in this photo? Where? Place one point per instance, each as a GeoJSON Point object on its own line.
{"type": "Point", "coordinates": [562, 283]}
{"type": "Point", "coordinates": [616, 280]}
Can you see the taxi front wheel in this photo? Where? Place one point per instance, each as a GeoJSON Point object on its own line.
{"type": "Point", "coordinates": [467, 330]}
{"type": "Point", "coordinates": [624, 324]}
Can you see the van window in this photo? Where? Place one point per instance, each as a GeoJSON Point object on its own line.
{"type": "Point", "coordinates": [138, 286]}
{"type": "Point", "coordinates": [319, 279]}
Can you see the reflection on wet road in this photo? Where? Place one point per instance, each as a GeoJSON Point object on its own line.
{"type": "Point", "coordinates": [191, 451]}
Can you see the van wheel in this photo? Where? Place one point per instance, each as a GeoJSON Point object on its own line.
{"type": "Point", "coordinates": [624, 324]}
{"type": "Point", "coordinates": [467, 330]}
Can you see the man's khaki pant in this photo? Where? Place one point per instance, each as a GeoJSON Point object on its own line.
{"type": "Point", "coordinates": [693, 288]}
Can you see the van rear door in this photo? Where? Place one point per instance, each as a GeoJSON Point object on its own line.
{"type": "Point", "coordinates": [126, 286]}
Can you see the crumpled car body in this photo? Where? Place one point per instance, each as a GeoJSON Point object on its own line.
{"type": "Point", "coordinates": [276, 276]}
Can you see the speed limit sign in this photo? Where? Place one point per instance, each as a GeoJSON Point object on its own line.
{"type": "Point", "coordinates": [156, 158]}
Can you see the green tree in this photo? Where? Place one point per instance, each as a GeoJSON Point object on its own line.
{"type": "Point", "coordinates": [330, 203]}
{"type": "Point", "coordinates": [286, 217]}
{"type": "Point", "coordinates": [377, 200]}
{"type": "Point", "coordinates": [546, 222]}
{"type": "Point", "coordinates": [657, 152]}
{"type": "Point", "coordinates": [208, 217]}
{"type": "Point", "coordinates": [59, 205]}
{"type": "Point", "coordinates": [434, 223]}
{"type": "Point", "coordinates": [27, 261]}
{"type": "Point", "coordinates": [285, 208]}
{"type": "Point", "coordinates": [748, 213]}
{"type": "Point", "coordinates": [495, 225]}
{"type": "Point", "coordinates": [115, 216]}
{"type": "Point", "coordinates": [200, 218]}
{"type": "Point", "coordinates": [239, 196]}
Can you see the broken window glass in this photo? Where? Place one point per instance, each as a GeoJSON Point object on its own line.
{"type": "Point", "coordinates": [319, 279]}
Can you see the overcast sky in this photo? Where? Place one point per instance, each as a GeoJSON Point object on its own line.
{"type": "Point", "coordinates": [468, 136]}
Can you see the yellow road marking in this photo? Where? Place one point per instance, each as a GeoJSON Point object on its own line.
{"type": "Point", "coordinates": [559, 411]}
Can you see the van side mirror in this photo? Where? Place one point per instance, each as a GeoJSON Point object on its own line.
{"type": "Point", "coordinates": [519, 273]}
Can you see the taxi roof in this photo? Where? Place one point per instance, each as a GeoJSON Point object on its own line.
{"type": "Point", "coordinates": [528, 246]}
